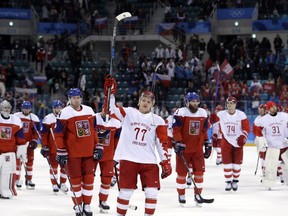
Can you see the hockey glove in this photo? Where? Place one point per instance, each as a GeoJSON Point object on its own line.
{"type": "Point", "coordinates": [44, 151]}
{"type": "Point", "coordinates": [241, 140]}
{"type": "Point", "coordinates": [214, 138]}
{"type": "Point", "coordinates": [166, 168]}
{"type": "Point", "coordinates": [62, 157]}
{"type": "Point", "coordinates": [33, 144]}
{"type": "Point", "coordinates": [98, 152]}
{"type": "Point", "coordinates": [179, 148]}
{"type": "Point", "coordinates": [110, 83]}
{"type": "Point", "coordinates": [208, 149]}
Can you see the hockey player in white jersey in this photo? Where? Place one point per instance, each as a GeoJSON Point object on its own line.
{"type": "Point", "coordinates": [142, 132]}
{"type": "Point", "coordinates": [11, 137]}
{"type": "Point", "coordinates": [49, 148]}
{"type": "Point", "coordinates": [262, 112]}
{"type": "Point", "coordinates": [273, 141]}
{"type": "Point", "coordinates": [234, 126]}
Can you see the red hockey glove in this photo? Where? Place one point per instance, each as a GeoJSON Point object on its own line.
{"type": "Point", "coordinates": [214, 138]}
{"type": "Point", "coordinates": [208, 149]}
{"type": "Point", "coordinates": [166, 168]}
{"type": "Point", "coordinates": [110, 83]}
{"type": "Point", "coordinates": [33, 144]}
{"type": "Point", "coordinates": [241, 140]}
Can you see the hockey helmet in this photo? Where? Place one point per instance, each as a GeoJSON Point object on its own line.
{"type": "Point", "coordinates": [57, 104]}
{"type": "Point", "coordinates": [269, 104]}
{"type": "Point", "coordinates": [5, 108]}
{"type": "Point", "coordinates": [191, 96]}
{"type": "Point", "coordinates": [218, 108]}
{"type": "Point", "coordinates": [74, 92]}
{"type": "Point", "coordinates": [148, 94]}
{"type": "Point", "coordinates": [231, 99]}
{"type": "Point", "coordinates": [262, 106]}
{"type": "Point", "coordinates": [26, 105]}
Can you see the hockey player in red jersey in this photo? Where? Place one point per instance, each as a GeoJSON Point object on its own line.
{"type": "Point", "coordinates": [262, 112]}
{"type": "Point", "coordinates": [48, 149]}
{"type": "Point", "coordinates": [29, 121]}
{"type": "Point", "coordinates": [234, 126]}
{"type": "Point", "coordinates": [190, 127]}
{"type": "Point", "coordinates": [273, 141]}
{"type": "Point", "coordinates": [78, 149]}
{"type": "Point", "coordinates": [11, 137]}
{"type": "Point", "coordinates": [108, 135]}
{"type": "Point", "coordinates": [216, 135]}
{"type": "Point", "coordinates": [142, 132]}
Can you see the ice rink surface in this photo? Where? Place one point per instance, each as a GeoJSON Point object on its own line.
{"type": "Point", "coordinates": [250, 199]}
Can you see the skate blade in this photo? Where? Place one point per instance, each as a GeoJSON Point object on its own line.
{"type": "Point", "coordinates": [103, 211]}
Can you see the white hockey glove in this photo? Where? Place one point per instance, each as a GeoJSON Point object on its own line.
{"type": "Point", "coordinates": [262, 144]}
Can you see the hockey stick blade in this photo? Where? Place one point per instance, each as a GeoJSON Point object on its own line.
{"type": "Point", "coordinates": [206, 200]}
{"type": "Point", "coordinates": [123, 16]}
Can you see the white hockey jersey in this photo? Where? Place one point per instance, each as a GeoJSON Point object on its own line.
{"type": "Point", "coordinates": [140, 134]}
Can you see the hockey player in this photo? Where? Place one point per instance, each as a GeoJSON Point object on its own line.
{"type": "Point", "coordinates": [234, 126]}
{"type": "Point", "coordinates": [262, 112]}
{"type": "Point", "coordinates": [48, 149]}
{"type": "Point", "coordinates": [190, 127]}
{"type": "Point", "coordinates": [141, 132]}
{"type": "Point", "coordinates": [216, 135]}
{"type": "Point", "coordinates": [169, 122]}
{"type": "Point", "coordinates": [77, 149]}
{"type": "Point", "coordinates": [274, 124]}
{"type": "Point", "coordinates": [11, 137]}
{"type": "Point", "coordinates": [29, 121]}
{"type": "Point", "coordinates": [108, 135]}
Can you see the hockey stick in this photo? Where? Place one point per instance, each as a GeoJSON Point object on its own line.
{"type": "Point", "coordinates": [195, 186]}
{"type": "Point", "coordinates": [117, 19]}
{"type": "Point", "coordinates": [133, 207]}
{"type": "Point", "coordinates": [47, 158]}
{"type": "Point", "coordinates": [68, 177]}
{"type": "Point", "coordinates": [257, 164]}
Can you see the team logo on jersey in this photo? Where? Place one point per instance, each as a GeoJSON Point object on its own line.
{"type": "Point", "coordinates": [194, 127]}
{"type": "Point", "coordinates": [83, 128]}
{"type": "Point", "coordinates": [26, 126]}
{"type": "Point", "coordinates": [6, 133]}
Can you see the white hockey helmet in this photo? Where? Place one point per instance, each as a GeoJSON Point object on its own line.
{"type": "Point", "coordinates": [5, 108]}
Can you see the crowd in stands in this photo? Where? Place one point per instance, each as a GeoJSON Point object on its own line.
{"type": "Point", "coordinates": [259, 67]}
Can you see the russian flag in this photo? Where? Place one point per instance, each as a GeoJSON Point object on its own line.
{"type": "Point", "coordinates": [40, 80]}
{"type": "Point", "coordinates": [227, 69]}
{"type": "Point", "coordinates": [164, 79]}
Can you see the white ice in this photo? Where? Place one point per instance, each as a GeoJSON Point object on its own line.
{"type": "Point", "coordinates": [250, 199]}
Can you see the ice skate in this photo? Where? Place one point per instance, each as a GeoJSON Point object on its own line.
{"type": "Point", "coordinates": [55, 189]}
{"type": "Point", "coordinates": [235, 185]}
{"type": "Point", "coordinates": [103, 207]}
{"type": "Point", "coordinates": [18, 184]}
{"type": "Point", "coordinates": [78, 210]}
{"type": "Point", "coordinates": [228, 186]}
{"type": "Point", "coordinates": [218, 161]}
{"type": "Point", "coordinates": [4, 197]}
{"type": "Point", "coordinates": [29, 185]}
{"type": "Point", "coordinates": [63, 188]}
{"type": "Point", "coordinates": [87, 210]}
{"type": "Point", "coordinates": [182, 200]}
{"type": "Point", "coordinates": [198, 200]}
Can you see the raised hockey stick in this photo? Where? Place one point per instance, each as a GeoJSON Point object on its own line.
{"type": "Point", "coordinates": [133, 207]}
{"type": "Point", "coordinates": [195, 186]}
{"type": "Point", "coordinates": [117, 19]}
{"type": "Point", "coordinates": [68, 177]}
